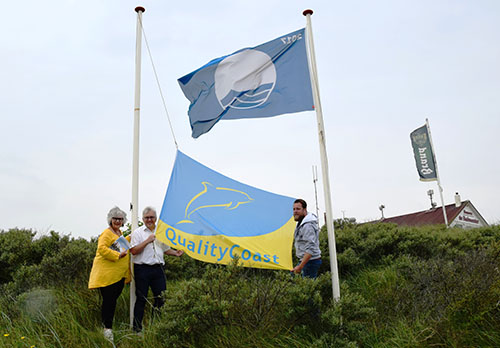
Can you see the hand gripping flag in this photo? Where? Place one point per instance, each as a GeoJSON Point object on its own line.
{"type": "Point", "coordinates": [424, 156]}
{"type": "Point", "coordinates": [214, 218]}
{"type": "Point", "coordinates": [267, 80]}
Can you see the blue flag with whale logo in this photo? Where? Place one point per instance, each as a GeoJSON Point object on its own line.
{"type": "Point", "coordinates": [267, 80]}
{"type": "Point", "coordinates": [214, 218]}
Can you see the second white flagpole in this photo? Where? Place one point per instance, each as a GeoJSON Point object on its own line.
{"type": "Point", "coordinates": [324, 159]}
{"type": "Point", "coordinates": [440, 189]}
{"type": "Point", "coordinates": [135, 162]}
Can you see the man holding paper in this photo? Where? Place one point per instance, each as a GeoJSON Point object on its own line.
{"type": "Point", "coordinates": [148, 265]}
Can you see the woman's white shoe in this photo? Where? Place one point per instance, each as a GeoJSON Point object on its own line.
{"type": "Point", "coordinates": [108, 334]}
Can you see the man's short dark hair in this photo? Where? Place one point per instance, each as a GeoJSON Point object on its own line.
{"type": "Point", "coordinates": [302, 202]}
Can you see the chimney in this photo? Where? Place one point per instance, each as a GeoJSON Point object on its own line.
{"type": "Point", "coordinates": [458, 201]}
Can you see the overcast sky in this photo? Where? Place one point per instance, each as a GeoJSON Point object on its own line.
{"type": "Point", "coordinates": [67, 96]}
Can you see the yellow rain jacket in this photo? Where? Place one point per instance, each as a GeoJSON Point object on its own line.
{"type": "Point", "coordinates": [108, 268]}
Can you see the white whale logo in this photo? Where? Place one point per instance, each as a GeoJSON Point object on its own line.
{"type": "Point", "coordinates": [244, 80]}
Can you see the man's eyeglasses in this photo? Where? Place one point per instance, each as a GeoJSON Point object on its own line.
{"type": "Point", "coordinates": [149, 217]}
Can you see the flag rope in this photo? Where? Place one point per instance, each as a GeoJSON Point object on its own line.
{"type": "Point", "coordinates": [159, 86]}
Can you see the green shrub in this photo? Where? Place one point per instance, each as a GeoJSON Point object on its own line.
{"type": "Point", "coordinates": [372, 245]}
{"type": "Point", "coordinates": [48, 245]}
{"type": "Point", "coordinates": [184, 267]}
{"type": "Point", "coordinates": [230, 298]}
{"type": "Point", "coordinates": [345, 323]}
{"type": "Point", "coordinates": [15, 251]}
{"type": "Point", "coordinates": [71, 265]}
{"type": "Point", "coordinates": [401, 287]}
{"type": "Point", "coordinates": [50, 260]}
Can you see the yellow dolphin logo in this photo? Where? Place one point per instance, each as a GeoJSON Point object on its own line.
{"type": "Point", "coordinates": [229, 202]}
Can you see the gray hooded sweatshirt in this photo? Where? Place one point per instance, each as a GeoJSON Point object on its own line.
{"type": "Point", "coordinates": [307, 237]}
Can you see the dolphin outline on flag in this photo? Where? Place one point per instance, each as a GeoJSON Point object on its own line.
{"type": "Point", "coordinates": [228, 206]}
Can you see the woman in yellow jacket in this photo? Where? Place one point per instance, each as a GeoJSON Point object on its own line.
{"type": "Point", "coordinates": [110, 270]}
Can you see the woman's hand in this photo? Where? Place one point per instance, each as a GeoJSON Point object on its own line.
{"type": "Point", "coordinates": [123, 253]}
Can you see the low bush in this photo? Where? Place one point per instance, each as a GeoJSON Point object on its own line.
{"type": "Point", "coordinates": [401, 287]}
{"type": "Point", "coordinates": [27, 262]}
{"type": "Point", "coordinates": [259, 306]}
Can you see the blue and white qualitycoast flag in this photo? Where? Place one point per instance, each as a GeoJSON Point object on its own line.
{"type": "Point", "coordinates": [267, 80]}
{"type": "Point", "coordinates": [214, 218]}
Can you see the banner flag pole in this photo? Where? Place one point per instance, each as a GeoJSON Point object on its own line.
{"type": "Point", "coordinates": [440, 189]}
{"type": "Point", "coordinates": [324, 158]}
{"type": "Point", "coordinates": [135, 162]}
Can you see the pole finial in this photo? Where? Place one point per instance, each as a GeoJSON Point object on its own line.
{"type": "Point", "coordinates": [140, 8]}
{"type": "Point", "coordinates": [307, 12]}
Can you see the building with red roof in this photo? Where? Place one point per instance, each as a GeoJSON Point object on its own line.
{"type": "Point", "coordinates": [460, 214]}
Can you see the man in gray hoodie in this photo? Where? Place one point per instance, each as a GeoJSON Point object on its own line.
{"type": "Point", "coordinates": [306, 240]}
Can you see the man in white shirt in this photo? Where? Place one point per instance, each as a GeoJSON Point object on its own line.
{"type": "Point", "coordinates": [148, 265]}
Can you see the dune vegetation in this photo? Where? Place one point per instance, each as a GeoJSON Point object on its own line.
{"type": "Point", "coordinates": [400, 287]}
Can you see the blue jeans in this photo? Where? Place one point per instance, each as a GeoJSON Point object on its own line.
{"type": "Point", "coordinates": [311, 268]}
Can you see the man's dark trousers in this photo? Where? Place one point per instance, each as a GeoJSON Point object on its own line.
{"type": "Point", "coordinates": [147, 276]}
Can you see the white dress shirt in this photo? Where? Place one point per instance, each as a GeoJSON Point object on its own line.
{"type": "Point", "coordinates": [153, 252]}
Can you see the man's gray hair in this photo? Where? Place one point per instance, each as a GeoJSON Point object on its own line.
{"type": "Point", "coordinates": [147, 210]}
{"type": "Point", "coordinates": [117, 213]}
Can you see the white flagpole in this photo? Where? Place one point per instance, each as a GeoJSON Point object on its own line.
{"type": "Point", "coordinates": [440, 189]}
{"type": "Point", "coordinates": [135, 164]}
{"type": "Point", "coordinates": [324, 159]}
